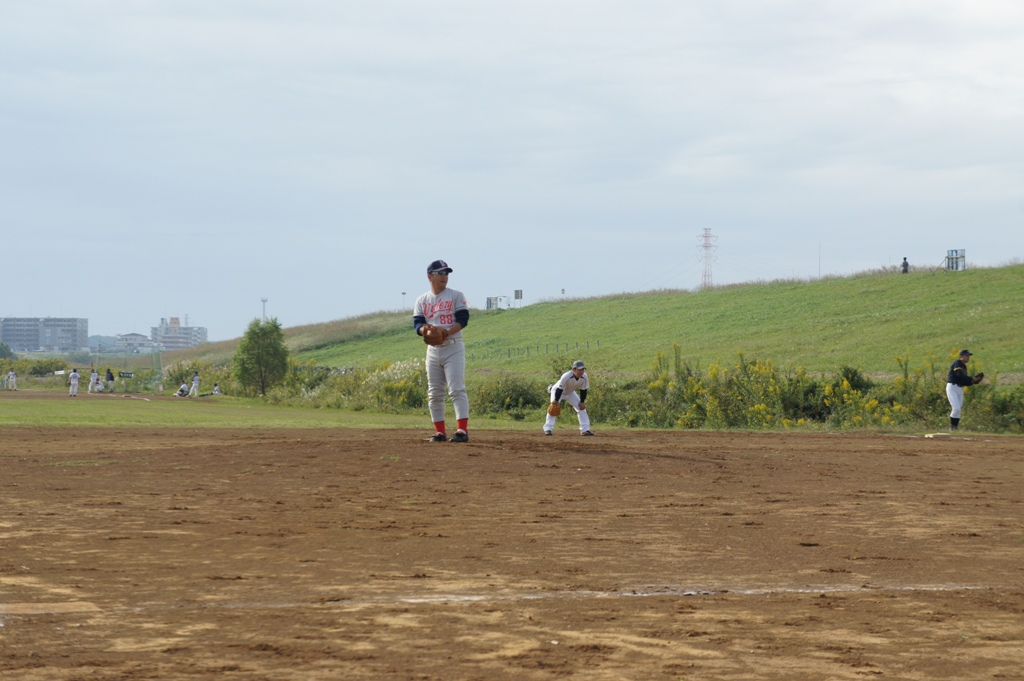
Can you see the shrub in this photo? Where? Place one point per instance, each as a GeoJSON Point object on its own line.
{"type": "Point", "coordinates": [508, 394]}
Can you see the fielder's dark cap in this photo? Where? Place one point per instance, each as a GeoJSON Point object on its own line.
{"type": "Point", "coordinates": [438, 267]}
{"type": "Point", "coordinates": [966, 352]}
{"type": "Point", "coordinates": [578, 364]}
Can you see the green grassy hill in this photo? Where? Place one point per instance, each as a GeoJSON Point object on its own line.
{"type": "Point", "coordinates": [863, 321]}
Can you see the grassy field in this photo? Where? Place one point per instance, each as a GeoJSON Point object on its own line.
{"type": "Point", "coordinates": [863, 321]}
{"type": "Point", "coordinates": [42, 409]}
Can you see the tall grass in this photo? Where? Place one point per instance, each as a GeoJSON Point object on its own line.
{"type": "Point", "coordinates": [860, 321]}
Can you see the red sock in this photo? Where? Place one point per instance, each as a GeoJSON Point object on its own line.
{"type": "Point", "coordinates": [439, 427]}
{"type": "Point", "coordinates": [463, 423]}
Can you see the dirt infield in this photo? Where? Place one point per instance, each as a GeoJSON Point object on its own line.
{"type": "Point", "coordinates": [339, 554]}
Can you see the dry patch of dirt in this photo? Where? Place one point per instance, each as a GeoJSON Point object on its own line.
{"type": "Point", "coordinates": [339, 554]}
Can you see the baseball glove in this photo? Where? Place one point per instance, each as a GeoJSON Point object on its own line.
{"type": "Point", "coordinates": [978, 377]}
{"type": "Point", "coordinates": [555, 409]}
{"type": "Point", "coordinates": [434, 335]}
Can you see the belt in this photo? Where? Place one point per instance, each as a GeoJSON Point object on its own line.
{"type": "Point", "coordinates": [450, 341]}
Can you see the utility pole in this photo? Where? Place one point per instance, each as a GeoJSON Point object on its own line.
{"type": "Point", "coordinates": [708, 246]}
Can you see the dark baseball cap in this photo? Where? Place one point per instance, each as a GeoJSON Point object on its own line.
{"type": "Point", "coordinates": [438, 267]}
{"type": "Point", "coordinates": [965, 352]}
{"type": "Point", "coordinates": [578, 364]}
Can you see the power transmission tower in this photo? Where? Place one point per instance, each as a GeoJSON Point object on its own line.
{"type": "Point", "coordinates": [708, 246]}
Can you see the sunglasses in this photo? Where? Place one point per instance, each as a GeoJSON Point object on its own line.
{"type": "Point", "coordinates": [443, 273]}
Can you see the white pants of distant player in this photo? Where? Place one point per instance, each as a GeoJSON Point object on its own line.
{"type": "Point", "coordinates": [573, 399]}
{"type": "Point", "coordinates": [955, 395]}
{"type": "Point", "coordinates": [446, 368]}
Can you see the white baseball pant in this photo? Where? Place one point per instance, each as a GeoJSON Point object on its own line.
{"type": "Point", "coordinates": [446, 368]}
{"type": "Point", "coordinates": [573, 399]}
{"type": "Point", "coordinates": [955, 395]}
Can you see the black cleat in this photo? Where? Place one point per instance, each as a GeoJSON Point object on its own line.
{"type": "Point", "coordinates": [439, 437]}
{"type": "Point", "coordinates": [460, 436]}
{"type": "Point", "coordinates": [547, 432]}
{"type": "Point", "coordinates": [586, 432]}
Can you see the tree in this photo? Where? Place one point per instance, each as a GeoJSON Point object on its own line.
{"type": "Point", "coordinates": [47, 367]}
{"type": "Point", "coordinates": [6, 352]}
{"type": "Point", "coordinates": [261, 360]}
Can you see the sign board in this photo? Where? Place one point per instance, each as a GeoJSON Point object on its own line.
{"type": "Point", "coordinates": [519, 294]}
{"type": "Point", "coordinates": [125, 374]}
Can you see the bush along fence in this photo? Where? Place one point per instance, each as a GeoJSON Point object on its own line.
{"type": "Point", "coordinates": [758, 394]}
{"type": "Point", "coordinates": [748, 394]}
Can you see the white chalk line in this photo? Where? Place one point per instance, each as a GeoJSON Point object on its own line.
{"type": "Point", "coordinates": [643, 592]}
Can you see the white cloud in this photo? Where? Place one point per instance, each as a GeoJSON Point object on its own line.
{"type": "Point", "coordinates": [270, 141]}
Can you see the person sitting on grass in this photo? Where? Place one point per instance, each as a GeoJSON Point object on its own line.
{"type": "Point", "coordinates": [182, 391]}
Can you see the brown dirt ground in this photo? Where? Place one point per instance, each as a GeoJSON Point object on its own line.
{"type": "Point", "coordinates": [340, 554]}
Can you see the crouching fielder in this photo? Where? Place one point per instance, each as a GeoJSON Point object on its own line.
{"type": "Point", "coordinates": [571, 387]}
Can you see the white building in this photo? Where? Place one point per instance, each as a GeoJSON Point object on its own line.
{"type": "Point", "coordinates": [47, 334]}
{"type": "Point", "coordinates": [171, 335]}
{"type": "Point", "coordinates": [134, 343]}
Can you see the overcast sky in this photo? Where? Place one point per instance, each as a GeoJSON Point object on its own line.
{"type": "Point", "coordinates": [189, 158]}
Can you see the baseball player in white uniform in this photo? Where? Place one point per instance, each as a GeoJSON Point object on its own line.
{"type": "Point", "coordinates": [73, 383]}
{"type": "Point", "coordinates": [93, 377]}
{"type": "Point", "coordinates": [12, 380]}
{"type": "Point", "coordinates": [571, 387]}
{"type": "Point", "coordinates": [194, 392]}
{"type": "Point", "coordinates": [446, 363]}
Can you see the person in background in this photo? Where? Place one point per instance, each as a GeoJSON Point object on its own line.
{"type": "Point", "coordinates": [957, 380]}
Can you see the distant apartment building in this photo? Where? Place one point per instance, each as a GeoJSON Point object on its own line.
{"type": "Point", "coordinates": [45, 334]}
{"type": "Point", "coordinates": [135, 343]}
{"type": "Point", "coordinates": [171, 335]}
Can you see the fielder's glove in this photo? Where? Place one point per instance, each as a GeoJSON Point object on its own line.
{"type": "Point", "coordinates": [978, 377]}
{"type": "Point", "coordinates": [555, 409]}
{"type": "Point", "coordinates": [434, 335]}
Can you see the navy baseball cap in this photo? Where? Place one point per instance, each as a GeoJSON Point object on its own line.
{"type": "Point", "coordinates": [578, 364]}
{"type": "Point", "coordinates": [438, 267]}
{"type": "Point", "coordinates": [966, 352]}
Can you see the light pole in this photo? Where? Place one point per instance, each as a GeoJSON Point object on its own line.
{"type": "Point", "coordinates": [403, 300]}
{"type": "Point", "coordinates": [264, 308]}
